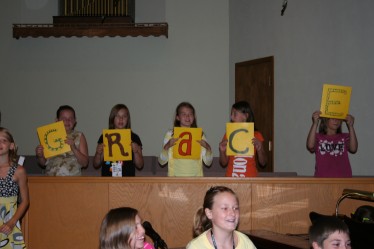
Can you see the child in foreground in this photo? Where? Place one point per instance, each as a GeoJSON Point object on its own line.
{"type": "Point", "coordinates": [329, 232]}
{"type": "Point", "coordinates": [122, 228]}
{"type": "Point", "coordinates": [216, 222]}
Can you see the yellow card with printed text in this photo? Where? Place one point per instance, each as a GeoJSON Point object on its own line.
{"type": "Point", "coordinates": [52, 137]}
{"type": "Point", "coordinates": [239, 136]}
{"type": "Point", "coordinates": [117, 144]}
{"type": "Point", "coordinates": [335, 101]}
{"type": "Point", "coordinates": [187, 146]}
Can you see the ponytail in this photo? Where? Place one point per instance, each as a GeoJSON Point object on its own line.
{"type": "Point", "coordinates": [201, 223]}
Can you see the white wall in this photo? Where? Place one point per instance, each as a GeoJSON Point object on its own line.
{"type": "Point", "coordinates": [315, 42]}
{"type": "Point", "coordinates": [150, 75]}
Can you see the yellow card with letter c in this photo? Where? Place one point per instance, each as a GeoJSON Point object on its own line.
{"type": "Point", "coordinates": [187, 146]}
{"type": "Point", "coordinates": [335, 101]}
{"type": "Point", "coordinates": [52, 137]}
{"type": "Point", "coordinates": [117, 145]}
{"type": "Point", "coordinates": [239, 136]}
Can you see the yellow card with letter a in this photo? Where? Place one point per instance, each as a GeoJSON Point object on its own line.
{"type": "Point", "coordinates": [117, 144]}
{"type": "Point", "coordinates": [335, 101]}
{"type": "Point", "coordinates": [186, 147]}
{"type": "Point", "coordinates": [52, 137]}
{"type": "Point", "coordinates": [239, 136]}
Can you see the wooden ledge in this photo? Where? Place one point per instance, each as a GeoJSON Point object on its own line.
{"type": "Point", "coordinates": [268, 239]}
{"type": "Point", "coordinates": [205, 180]}
{"type": "Point", "coordinates": [90, 30]}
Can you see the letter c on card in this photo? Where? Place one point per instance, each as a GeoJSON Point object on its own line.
{"type": "Point", "coordinates": [231, 139]}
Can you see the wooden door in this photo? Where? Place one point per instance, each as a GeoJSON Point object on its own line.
{"type": "Point", "coordinates": [254, 82]}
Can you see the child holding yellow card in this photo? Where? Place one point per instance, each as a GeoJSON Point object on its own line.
{"type": "Point", "coordinates": [69, 163]}
{"type": "Point", "coordinates": [331, 146]}
{"type": "Point", "coordinates": [242, 166]}
{"type": "Point", "coordinates": [184, 117]}
{"type": "Point", "coordinates": [119, 118]}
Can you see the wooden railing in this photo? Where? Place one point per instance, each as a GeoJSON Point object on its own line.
{"type": "Point", "coordinates": [66, 212]}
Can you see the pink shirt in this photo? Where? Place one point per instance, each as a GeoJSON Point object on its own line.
{"type": "Point", "coordinates": [148, 246]}
{"type": "Point", "coordinates": [332, 155]}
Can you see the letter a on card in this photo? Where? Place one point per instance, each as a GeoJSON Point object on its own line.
{"type": "Point", "coordinates": [186, 147]}
{"type": "Point", "coordinates": [117, 145]}
{"type": "Point", "coordinates": [335, 101]}
{"type": "Point", "coordinates": [52, 137]}
{"type": "Point", "coordinates": [239, 136]}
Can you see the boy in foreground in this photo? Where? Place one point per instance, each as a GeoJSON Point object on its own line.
{"type": "Point", "coordinates": [329, 233]}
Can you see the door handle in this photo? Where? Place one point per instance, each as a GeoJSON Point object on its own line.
{"type": "Point", "coordinates": [270, 146]}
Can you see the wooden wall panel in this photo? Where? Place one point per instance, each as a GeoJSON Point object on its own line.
{"type": "Point", "coordinates": [66, 212]}
{"type": "Point", "coordinates": [65, 215]}
{"type": "Point", "coordinates": [285, 207]}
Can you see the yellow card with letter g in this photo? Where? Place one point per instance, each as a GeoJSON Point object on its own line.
{"type": "Point", "coordinates": [52, 137]}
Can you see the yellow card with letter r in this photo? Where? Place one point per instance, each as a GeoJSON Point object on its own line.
{"type": "Point", "coordinates": [117, 144]}
{"type": "Point", "coordinates": [335, 101]}
{"type": "Point", "coordinates": [52, 137]}
{"type": "Point", "coordinates": [187, 146]}
{"type": "Point", "coordinates": [239, 136]}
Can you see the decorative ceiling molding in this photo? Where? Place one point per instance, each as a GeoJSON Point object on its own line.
{"type": "Point", "coordinates": [90, 30]}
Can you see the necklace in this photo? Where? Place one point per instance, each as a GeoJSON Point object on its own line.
{"type": "Point", "coordinates": [214, 241]}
